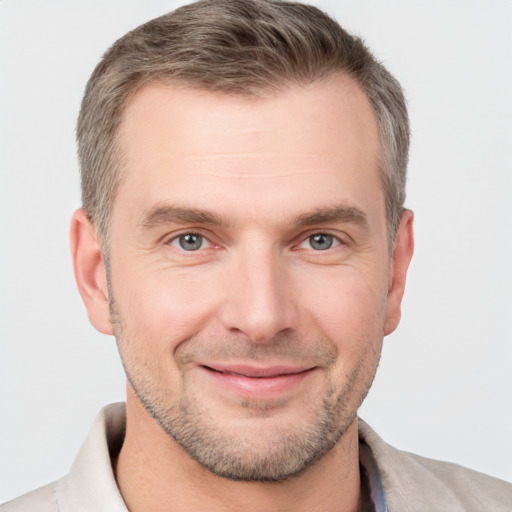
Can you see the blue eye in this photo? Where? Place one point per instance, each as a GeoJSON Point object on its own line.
{"type": "Point", "coordinates": [189, 241]}
{"type": "Point", "coordinates": [321, 241]}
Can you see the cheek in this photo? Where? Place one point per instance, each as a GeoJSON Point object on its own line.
{"type": "Point", "coordinates": [166, 306]}
{"type": "Point", "coordinates": [348, 306]}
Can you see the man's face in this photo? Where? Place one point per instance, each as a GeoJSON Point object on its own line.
{"type": "Point", "coordinates": [250, 270]}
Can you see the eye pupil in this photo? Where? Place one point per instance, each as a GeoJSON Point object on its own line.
{"type": "Point", "coordinates": [321, 241]}
{"type": "Point", "coordinates": [190, 241]}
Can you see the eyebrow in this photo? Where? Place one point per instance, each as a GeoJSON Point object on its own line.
{"type": "Point", "coordinates": [167, 214]}
{"type": "Point", "coordinates": [339, 213]}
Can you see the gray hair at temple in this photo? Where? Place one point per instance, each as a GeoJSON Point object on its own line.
{"type": "Point", "coordinates": [241, 47]}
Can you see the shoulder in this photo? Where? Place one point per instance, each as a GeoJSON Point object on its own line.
{"type": "Point", "coordinates": [90, 483]}
{"type": "Point", "coordinates": [412, 482]}
{"type": "Point", "coordinates": [43, 499]}
{"type": "Point", "coordinates": [453, 484]}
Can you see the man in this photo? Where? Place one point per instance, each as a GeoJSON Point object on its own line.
{"type": "Point", "coordinates": [243, 235]}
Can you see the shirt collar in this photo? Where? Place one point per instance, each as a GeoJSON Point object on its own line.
{"type": "Point", "coordinates": [91, 483]}
{"type": "Point", "coordinates": [370, 472]}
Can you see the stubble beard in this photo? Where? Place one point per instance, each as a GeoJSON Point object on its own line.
{"type": "Point", "coordinates": [271, 454]}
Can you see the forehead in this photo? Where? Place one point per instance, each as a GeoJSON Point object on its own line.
{"type": "Point", "coordinates": [312, 138]}
{"type": "Point", "coordinates": [312, 112]}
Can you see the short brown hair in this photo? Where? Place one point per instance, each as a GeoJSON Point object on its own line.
{"type": "Point", "coordinates": [239, 47]}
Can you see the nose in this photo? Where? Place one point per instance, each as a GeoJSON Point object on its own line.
{"type": "Point", "coordinates": [259, 297]}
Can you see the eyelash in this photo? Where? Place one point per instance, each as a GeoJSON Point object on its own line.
{"type": "Point", "coordinates": [335, 241]}
{"type": "Point", "coordinates": [176, 240]}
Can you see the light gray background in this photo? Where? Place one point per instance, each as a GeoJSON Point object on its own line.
{"type": "Point", "coordinates": [444, 386]}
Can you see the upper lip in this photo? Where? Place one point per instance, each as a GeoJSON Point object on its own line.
{"type": "Point", "coordinates": [254, 371]}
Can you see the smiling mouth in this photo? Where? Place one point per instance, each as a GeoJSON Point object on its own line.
{"type": "Point", "coordinates": [258, 373]}
{"type": "Point", "coordinates": [257, 383]}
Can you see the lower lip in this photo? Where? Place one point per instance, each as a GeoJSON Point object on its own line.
{"type": "Point", "coordinates": [259, 387]}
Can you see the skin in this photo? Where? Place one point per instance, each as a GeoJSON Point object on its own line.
{"type": "Point", "coordinates": [257, 178]}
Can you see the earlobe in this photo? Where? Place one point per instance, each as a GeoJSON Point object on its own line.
{"type": "Point", "coordinates": [402, 253]}
{"type": "Point", "coordinates": [90, 272]}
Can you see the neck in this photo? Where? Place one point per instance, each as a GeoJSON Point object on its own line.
{"type": "Point", "coordinates": [155, 473]}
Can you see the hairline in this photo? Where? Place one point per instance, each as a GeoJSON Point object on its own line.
{"type": "Point", "coordinates": [262, 91]}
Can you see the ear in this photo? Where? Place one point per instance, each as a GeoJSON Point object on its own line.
{"type": "Point", "coordinates": [402, 254]}
{"type": "Point", "coordinates": [90, 272]}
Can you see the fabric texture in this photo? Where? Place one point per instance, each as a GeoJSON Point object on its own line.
{"type": "Point", "coordinates": [410, 482]}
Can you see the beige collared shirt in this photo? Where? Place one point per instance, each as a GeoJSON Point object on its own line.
{"type": "Point", "coordinates": [411, 483]}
